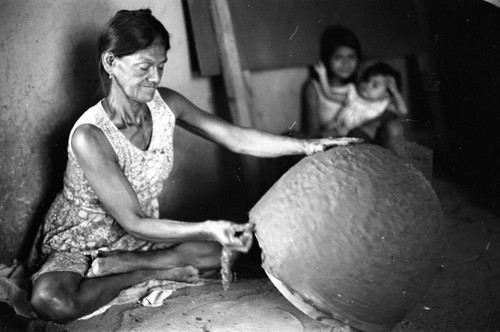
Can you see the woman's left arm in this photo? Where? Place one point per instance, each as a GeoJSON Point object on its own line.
{"type": "Point", "coordinates": [240, 139]}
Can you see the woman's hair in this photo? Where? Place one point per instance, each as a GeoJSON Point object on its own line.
{"type": "Point", "coordinates": [127, 32]}
{"type": "Point", "coordinates": [334, 37]}
{"type": "Point", "coordinates": [380, 68]}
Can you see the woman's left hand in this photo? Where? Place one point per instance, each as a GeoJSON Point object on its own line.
{"type": "Point", "coordinates": [322, 144]}
{"type": "Point", "coordinates": [321, 70]}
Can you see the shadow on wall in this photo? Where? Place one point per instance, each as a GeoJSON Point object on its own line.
{"type": "Point", "coordinates": [81, 90]}
{"type": "Point", "coordinates": [191, 194]}
{"type": "Point", "coordinates": [235, 201]}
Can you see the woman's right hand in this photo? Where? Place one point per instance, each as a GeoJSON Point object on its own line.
{"type": "Point", "coordinates": [236, 237]}
{"type": "Point", "coordinates": [322, 144]}
{"type": "Point", "coordinates": [321, 70]}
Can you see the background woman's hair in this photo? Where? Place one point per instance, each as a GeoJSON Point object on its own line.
{"type": "Point", "coordinates": [335, 36]}
{"type": "Point", "coordinates": [127, 32]}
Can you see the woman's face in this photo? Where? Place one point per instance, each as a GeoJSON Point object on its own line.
{"type": "Point", "coordinates": [343, 63]}
{"type": "Point", "coordinates": [139, 74]}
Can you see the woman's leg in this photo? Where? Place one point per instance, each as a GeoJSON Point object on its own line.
{"type": "Point", "coordinates": [360, 133]}
{"type": "Point", "coordinates": [202, 255]}
{"type": "Point", "coordinates": [65, 296]}
{"type": "Point", "coordinates": [391, 136]}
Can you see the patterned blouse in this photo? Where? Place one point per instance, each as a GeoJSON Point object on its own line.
{"type": "Point", "coordinates": [77, 222]}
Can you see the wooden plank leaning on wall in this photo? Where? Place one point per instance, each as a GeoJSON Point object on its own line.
{"type": "Point", "coordinates": [236, 88]}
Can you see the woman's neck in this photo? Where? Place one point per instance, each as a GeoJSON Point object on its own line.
{"type": "Point", "coordinates": [336, 82]}
{"type": "Point", "coordinates": [124, 111]}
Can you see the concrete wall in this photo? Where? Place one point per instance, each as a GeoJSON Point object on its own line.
{"type": "Point", "coordinates": [47, 65]}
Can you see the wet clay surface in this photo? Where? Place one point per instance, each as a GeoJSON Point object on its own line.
{"type": "Point", "coordinates": [351, 230]}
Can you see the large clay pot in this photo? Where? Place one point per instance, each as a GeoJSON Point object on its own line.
{"type": "Point", "coordinates": [348, 235]}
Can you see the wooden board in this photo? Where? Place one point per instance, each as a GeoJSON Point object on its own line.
{"type": "Point", "coordinates": [235, 85]}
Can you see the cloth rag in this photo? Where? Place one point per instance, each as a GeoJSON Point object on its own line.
{"type": "Point", "coordinates": [150, 293]}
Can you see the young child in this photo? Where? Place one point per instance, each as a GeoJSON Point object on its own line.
{"type": "Point", "coordinates": [372, 108]}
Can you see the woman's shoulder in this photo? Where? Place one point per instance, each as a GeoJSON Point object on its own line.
{"type": "Point", "coordinates": [177, 103]}
{"type": "Point", "coordinates": [311, 83]}
{"type": "Point", "coordinates": [168, 94]}
{"type": "Point", "coordinates": [87, 140]}
{"type": "Point", "coordinates": [88, 132]}
{"type": "Point", "coordinates": [88, 126]}
{"type": "Point", "coordinates": [311, 88]}
{"type": "Point", "coordinates": [171, 97]}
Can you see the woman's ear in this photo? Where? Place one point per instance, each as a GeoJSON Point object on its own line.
{"type": "Point", "coordinates": [107, 59]}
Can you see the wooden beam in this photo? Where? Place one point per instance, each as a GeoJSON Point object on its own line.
{"type": "Point", "coordinates": [235, 86]}
{"type": "Point", "coordinates": [231, 64]}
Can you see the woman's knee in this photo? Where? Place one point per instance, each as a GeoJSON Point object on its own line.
{"type": "Point", "coordinates": [394, 128]}
{"type": "Point", "coordinates": [51, 302]}
{"type": "Point", "coordinates": [360, 133]}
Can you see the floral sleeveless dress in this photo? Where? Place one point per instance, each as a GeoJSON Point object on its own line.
{"type": "Point", "coordinates": [77, 226]}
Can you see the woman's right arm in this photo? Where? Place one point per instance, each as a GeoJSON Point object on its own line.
{"type": "Point", "coordinates": [325, 86]}
{"type": "Point", "coordinates": [99, 163]}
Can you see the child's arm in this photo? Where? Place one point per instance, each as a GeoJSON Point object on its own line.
{"type": "Point", "coordinates": [398, 105]}
{"type": "Point", "coordinates": [325, 87]}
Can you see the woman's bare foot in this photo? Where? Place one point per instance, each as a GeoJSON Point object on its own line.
{"type": "Point", "coordinates": [118, 262]}
{"type": "Point", "coordinates": [183, 274]}
{"type": "Point", "coordinates": [113, 262]}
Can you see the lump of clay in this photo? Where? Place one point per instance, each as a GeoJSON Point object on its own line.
{"type": "Point", "coordinates": [348, 236]}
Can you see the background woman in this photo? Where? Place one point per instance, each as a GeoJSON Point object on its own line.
{"type": "Point", "coordinates": [340, 53]}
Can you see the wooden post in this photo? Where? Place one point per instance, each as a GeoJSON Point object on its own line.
{"type": "Point", "coordinates": [235, 86]}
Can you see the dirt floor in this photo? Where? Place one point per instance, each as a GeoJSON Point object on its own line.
{"type": "Point", "coordinates": [464, 295]}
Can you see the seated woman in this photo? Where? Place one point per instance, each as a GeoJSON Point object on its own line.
{"type": "Point", "coordinates": [340, 52]}
{"type": "Point", "coordinates": [103, 232]}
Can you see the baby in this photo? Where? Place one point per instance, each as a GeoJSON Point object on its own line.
{"type": "Point", "coordinates": [369, 104]}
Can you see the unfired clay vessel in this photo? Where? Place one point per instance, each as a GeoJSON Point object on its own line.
{"type": "Point", "coordinates": [349, 236]}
